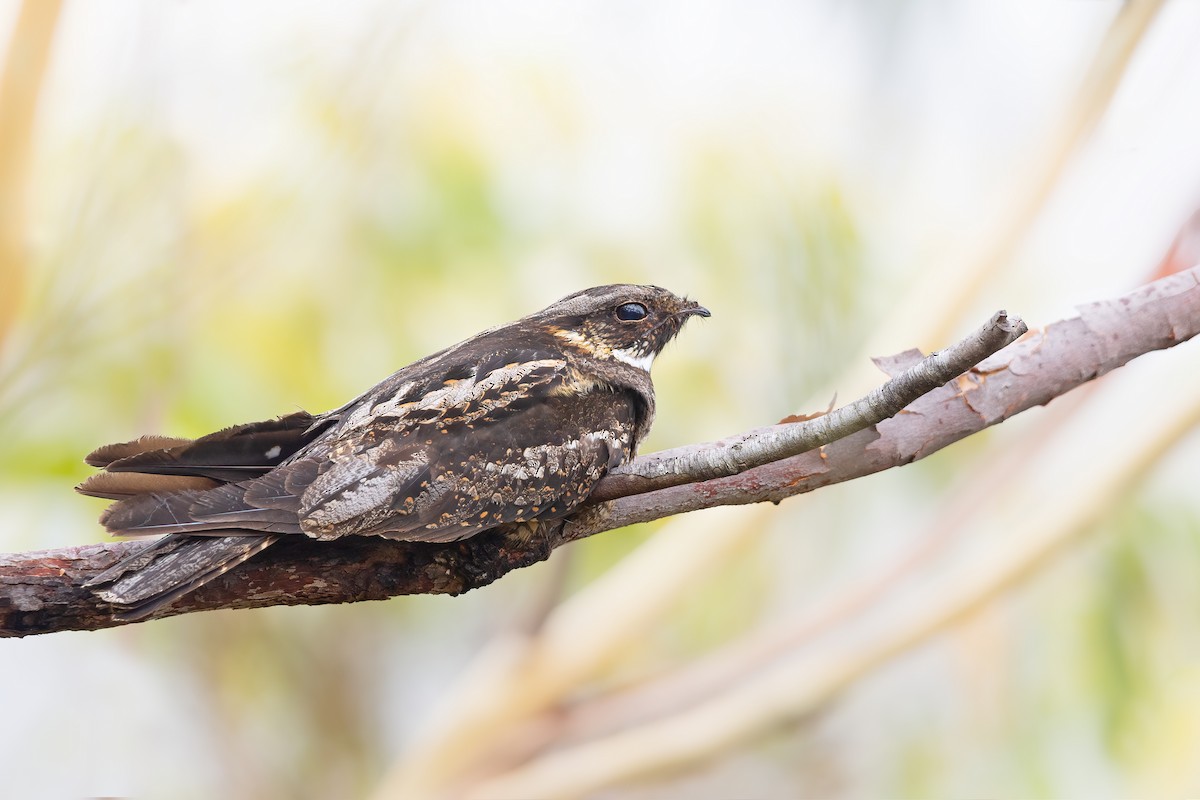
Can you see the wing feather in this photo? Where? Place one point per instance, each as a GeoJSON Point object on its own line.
{"type": "Point", "coordinates": [233, 454]}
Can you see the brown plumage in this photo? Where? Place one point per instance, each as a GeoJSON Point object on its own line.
{"type": "Point", "coordinates": [515, 424]}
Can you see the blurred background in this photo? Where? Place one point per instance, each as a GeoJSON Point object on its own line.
{"type": "Point", "coordinates": [219, 212]}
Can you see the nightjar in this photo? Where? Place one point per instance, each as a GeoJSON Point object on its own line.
{"type": "Point", "coordinates": [515, 424]}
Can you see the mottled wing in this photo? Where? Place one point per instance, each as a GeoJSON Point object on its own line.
{"type": "Point", "coordinates": [521, 436]}
{"type": "Point", "coordinates": [535, 463]}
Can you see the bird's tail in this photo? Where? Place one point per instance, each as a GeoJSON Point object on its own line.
{"type": "Point", "coordinates": [181, 487]}
{"type": "Point", "coordinates": [168, 568]}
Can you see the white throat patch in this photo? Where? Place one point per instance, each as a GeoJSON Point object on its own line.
{"type": "Point", "coordinates": [641, 362]}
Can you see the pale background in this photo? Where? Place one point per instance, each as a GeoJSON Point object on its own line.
{"type": "Point", "coordinates": [230, 210]}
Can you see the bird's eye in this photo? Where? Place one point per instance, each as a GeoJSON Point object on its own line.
{"type": "Point", "coordinates": [630, 312]}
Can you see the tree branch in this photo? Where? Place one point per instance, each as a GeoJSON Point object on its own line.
{"type": "Point", "coordinates": [40, 592]}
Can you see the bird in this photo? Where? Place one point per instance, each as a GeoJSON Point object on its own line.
{"type": "Point", "coordinates": [514, 425]}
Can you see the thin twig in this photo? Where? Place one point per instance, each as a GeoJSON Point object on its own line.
{"type": "Point", "coordinates": [756, 448]}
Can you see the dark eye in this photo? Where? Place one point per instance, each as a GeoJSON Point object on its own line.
{"type": "Point", "coordinates": [630, 312]}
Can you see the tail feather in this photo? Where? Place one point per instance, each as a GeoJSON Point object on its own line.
{"type": "Point", "coordinates": [196, 512]}
{"type": "Point", "coordinates": [233, 454]}
{"type": "Point", "coordinates": [154, 514]}
{"type": "Point", "coordinates": [179, 566]}
{"type": "Point", "coordinates": [196, 493]}
{"type": "Point", "coordinates": [103, 456]}
{"type": "Point", "coordinates": [124, 485]}
{"type": "Point", "coordinates": [134, 561]}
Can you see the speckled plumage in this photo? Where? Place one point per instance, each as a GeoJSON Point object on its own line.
{"type": "Point", "coordinates": [515, 424]}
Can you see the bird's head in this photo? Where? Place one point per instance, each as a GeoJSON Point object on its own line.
{"type": "Point", "coordinates": [621, 321]}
